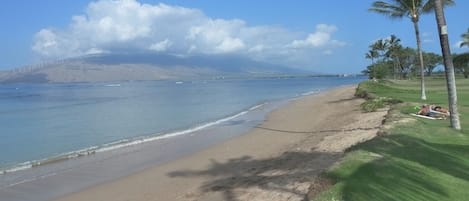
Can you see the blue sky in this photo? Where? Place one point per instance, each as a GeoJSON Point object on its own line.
{"type": "Point", "coordinates": [319, 35]}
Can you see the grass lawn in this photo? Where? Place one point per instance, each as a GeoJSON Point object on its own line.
{"type": "Point", "coordinates": [417, 160]}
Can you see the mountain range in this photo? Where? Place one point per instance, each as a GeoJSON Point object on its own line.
{"type": "Point", "coordinates": [144, 66]}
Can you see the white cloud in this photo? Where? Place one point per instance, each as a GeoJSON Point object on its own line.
{"type": "Point", "coordinates": [161, 46]}
{"type": "Point", "coordinates": [230, 45]}
{"type": "Point", "coordinates": [256, 48]}
{"type": "Point", "coordinates": [46, 42]}
{"type": "Point", "coordinates": [217, 36]}
{"type": "Point", "coordinates": [95, 51]}
{"type": "Point", "coordinates": [128, 25]}
{"type": "Point", "coordinates": [322, 37]}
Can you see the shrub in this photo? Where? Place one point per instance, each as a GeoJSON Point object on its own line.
{"type": "Point", "coordinates": [374, 104]}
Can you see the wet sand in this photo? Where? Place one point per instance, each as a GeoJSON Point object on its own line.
{"type": "Point", "coordinates": [280, 159]}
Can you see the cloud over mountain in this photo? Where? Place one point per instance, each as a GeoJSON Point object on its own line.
{"type": "Point", "coordinates": [320, 38]}
{"type": "Point", "coordinates": [127, 25]}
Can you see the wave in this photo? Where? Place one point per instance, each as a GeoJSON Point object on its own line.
{"type": "Point", "coordinates": [53, 159]}
{"type": "Point", "coordinates": [120, 144]}
{"type": "Point", "coordinates": [126, 143]}
{"type": "Point", "coordinates": [112, 85]}
{"type": "Point", "coordinates": [316, 91]}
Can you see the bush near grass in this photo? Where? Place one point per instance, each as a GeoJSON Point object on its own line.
{"type": "Point", "coordinates": [373, 102]}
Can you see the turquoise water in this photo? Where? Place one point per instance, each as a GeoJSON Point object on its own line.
{"type": "Point", "coordinates": [41, 121]}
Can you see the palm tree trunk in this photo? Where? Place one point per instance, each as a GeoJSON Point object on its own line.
{"type": "Point", "coordinates": [398, 66]}
{"type": "Point", "coordinates": [419, 50]}
{"type": "Point", "coordinates": [449, 68]}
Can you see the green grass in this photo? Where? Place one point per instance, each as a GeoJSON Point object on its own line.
{"type": "Point", "coordinates": [421, 160]}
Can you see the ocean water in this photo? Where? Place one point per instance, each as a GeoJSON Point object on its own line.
{"type": "Point", "coordinates": [46, 122]}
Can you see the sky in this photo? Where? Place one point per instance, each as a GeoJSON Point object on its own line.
{"type": "Point", "coordinates": [319, 35]}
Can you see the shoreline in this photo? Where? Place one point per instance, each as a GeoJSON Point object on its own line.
{"type": "Point", "coordinates": [279, 159]}
{"type": "Point", "coordinates": [123, 143]}
{"type": "Point", "coordinates": [91, 136]}
{"type": "Point", "coordinates": [138, 156]}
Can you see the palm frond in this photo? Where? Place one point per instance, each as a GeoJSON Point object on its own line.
{"type": "Point", "coordinates": [410, 5]}
{"type": "Point", "coordinates": [466, 35]}
{"type": "Point", "coordinates": [464, 44]}
{"type": "Point", "coordinates": [391, 10]}
{"type": "Point", "coordinates": [465, 38]}
{"type": "Point", "coordinates": [429, 6]}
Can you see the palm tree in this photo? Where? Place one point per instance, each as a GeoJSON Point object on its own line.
{"type": "Point", "coordinates": [394, 47]}
{"type": "Point", "coordinates": [380, 46]}
{"type": "Point", "coordinates": [372, 54]}
{"type": "Point", "coordinates": [407, 59]}
{"type": "Point", "coordinates": [465, 38]}
{"type": "Point", "coordinates": [449, 68]}
{"type": "Point", "coordinates": [412, 9]}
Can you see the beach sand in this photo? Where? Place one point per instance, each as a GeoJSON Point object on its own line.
{"type": "Point", "coordinates": [281, 159]}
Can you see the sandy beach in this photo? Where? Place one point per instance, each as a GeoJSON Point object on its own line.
{"type": "Point", "coordinates": [280, 159]}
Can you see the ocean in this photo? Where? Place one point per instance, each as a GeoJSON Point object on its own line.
{"type": "Point", "coordinates": [47, 124]}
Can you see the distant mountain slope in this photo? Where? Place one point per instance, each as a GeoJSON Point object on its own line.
{"type": "Point", "coordinates": [143, 66]}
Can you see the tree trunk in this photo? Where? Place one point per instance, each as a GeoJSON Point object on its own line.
{"type": "Point", "coordinates": [449, 68]}
{"type": "Point", "coordinates": [398, 68]}
{"type": "Point", "coordinates": [419, 50]}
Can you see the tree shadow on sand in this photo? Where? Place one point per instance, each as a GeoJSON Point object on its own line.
{"type": "Point", "coordinates": [288, 176]}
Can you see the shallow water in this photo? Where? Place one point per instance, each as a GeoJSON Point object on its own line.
{"type": "Point", "coordinates": [51, 120]}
